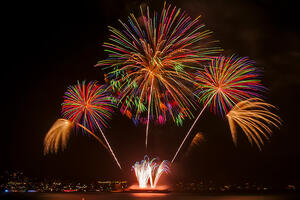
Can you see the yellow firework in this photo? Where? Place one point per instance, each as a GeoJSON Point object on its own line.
{"type": "Point", "coordinates": [59, 134]}
{"type": "Point", "coordinates": [255, 119]}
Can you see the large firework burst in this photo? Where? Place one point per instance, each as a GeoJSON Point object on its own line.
{"type": "Point", "coordinates": [150, 63]}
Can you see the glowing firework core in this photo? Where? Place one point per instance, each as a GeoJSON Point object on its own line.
{"type": "Point", "coordinates": [149, 171]}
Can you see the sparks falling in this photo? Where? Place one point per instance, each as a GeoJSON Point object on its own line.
{"type": "Point", "coordinates": [254, 118]}
{"type": "Point", "coordinates": [59, 134]}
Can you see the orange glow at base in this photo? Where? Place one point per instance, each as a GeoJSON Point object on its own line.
{"type": "Point", "coordinates": [149, 194]}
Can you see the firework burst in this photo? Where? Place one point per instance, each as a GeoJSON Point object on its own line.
{"type": "Point", "coordinates": [224, 82]}
{"type": "Point", "coordinates": [150, 63]}
{"type": "Point", "coordinates": [227, 81]}
{"type": "Point", "coordinates": [254, 118]}
{"type": "Point", "coordinates": [86, 106]}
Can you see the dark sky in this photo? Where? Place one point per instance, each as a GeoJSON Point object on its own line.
{"type": "Point", "coordinates": [51, 44]}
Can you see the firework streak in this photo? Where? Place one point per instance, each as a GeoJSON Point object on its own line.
{"type": "Point", "coordinates": [150, 62]}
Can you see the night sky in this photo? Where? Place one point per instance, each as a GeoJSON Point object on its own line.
{"type": "Point", "coordinates": [49, 45]}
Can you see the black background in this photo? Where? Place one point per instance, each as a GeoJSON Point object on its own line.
{"type": "Point", "coordinates": [49, 45]}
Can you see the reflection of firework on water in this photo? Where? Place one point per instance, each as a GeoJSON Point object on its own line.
{"type": "Point", "coordinates": [225, 82]}
{"type": "Point", "coordinates": [59, 134]}
{"type": "Point", "coordinates": [150, 62]}
{"type": "Point", "coordinates": [254, 117]}
{"type": "Point", "coordinates": [87, 106]}
{"type": "Point", "coordinates": [149, 171]}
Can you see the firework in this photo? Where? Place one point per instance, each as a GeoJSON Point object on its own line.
{"type": "Point", "coordinates": [197, 140]}
{"type": "Point", "coordinates": [225, 82]}
{"type": "Point", "coordinates": [150, 63]}
{"type": "Point", "coordinates": [254, 118]}
{"type": "Point", "coordinates": [149, 171]}
{"type": "Point", "coordinates": [59, 134]}
{"type": "Point", "coordinates": [87, 106]}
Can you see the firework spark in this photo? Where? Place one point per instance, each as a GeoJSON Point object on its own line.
{"type": "Point", "coordinates": [225, 82]}
{"type": "Point", "coordinates": [254, 117]}
{"type": "Point", "coordinates": [149, 171]}
{"type": "Point", "coordinates": [150, 64]}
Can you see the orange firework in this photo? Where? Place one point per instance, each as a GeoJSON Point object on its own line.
{"type": "Point", "coordinates": [59, 134]}
{"type": "Point", "coordinates": [254, 118]}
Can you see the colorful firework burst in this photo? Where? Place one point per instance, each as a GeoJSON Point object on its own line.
{"type": "Point", "coordinates": [150, 64]}
{"type": "Point", "coordinates": [88, 105]}
{"type": "Point", "coordinates": [224, 82]}
{"type": "Point", "coordinates": [227, 81]}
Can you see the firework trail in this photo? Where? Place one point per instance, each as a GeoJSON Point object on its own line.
{"type": "Point", "coordinates": [223, 83]}
{"type": "Point", "coordinates": [85, 106]}
{"type": "Point", "coordinates": [149, 171]}
{"type": "Point", "coordinates": [150, 63]}
{"type": "Point", "coordinates": [254, 117]}
{"type": "Point", "coordinates": [59, 134]}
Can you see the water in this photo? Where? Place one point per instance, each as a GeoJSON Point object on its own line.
{"type": "Point", "coordinates": [141, 196]}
